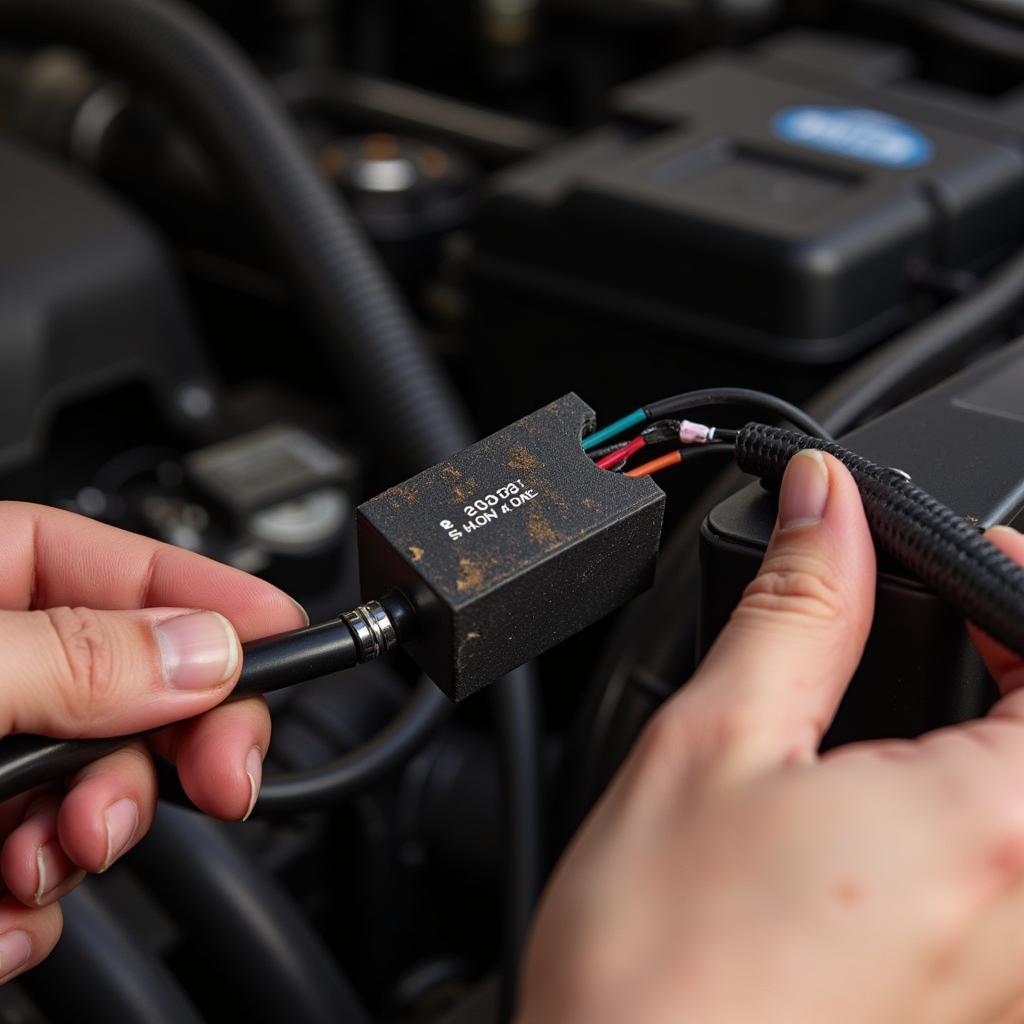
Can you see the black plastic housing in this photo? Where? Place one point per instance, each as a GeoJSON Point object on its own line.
{"type": "Point", "coordinates": [696, 197]}
{"type": "Point", "coordinates": [963, 442]}
{"type": "Point", "coordinates": [510, 546]}
{"type": "Point", "coordinates": [88, 301]}
{"type": "Point", "coordinates": [690, 221]}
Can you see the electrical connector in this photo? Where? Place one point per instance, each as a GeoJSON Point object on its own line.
{"type": "Point", "coordinates": [509, 547]}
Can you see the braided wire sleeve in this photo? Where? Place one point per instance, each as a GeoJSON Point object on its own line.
{"type": "Point", "coordinates": [938, 546]}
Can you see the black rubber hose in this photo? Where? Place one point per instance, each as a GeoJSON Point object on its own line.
{"type": "Point", "coordinates": [202, 76]}
{"type": "Point", "coordinates": [243, 924]}
{"type": "Point", "coordinates": [99, 973]}
{"type": "Point", "coordinates": [356, 771]}
{"type": "Point", "coordinates": [525, 855]}
{"type": "Point", "coordinates": [938, 546]}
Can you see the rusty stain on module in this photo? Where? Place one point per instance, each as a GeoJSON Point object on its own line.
{"type": "Point", "coordinates": [522, 459]}
{"type": "Point", "coordinates": [401, 495]}
{"type": "Point", "coordinates": [465, 490]}
{"type": "Point", "coordinates": [472, 575]}
{"type": "Point", "coordinates": [417, 553]}
{"type": "Point", "coordinates": [542, 531]}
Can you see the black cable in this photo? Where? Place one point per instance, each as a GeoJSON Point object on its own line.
{"type": "Point", "coordinates": [524, 843]}
{"type": "Point", "coordinates": [337, 781]}
{"type": "Point", "coordinates": [938, 546]}
{"type": "Point", "coordinates": [268, 664]}
{"type": "Point", "coordinates": [99, 973]}
{"type": "Point", "coordinates": [382, 104]}
{"type": "Point", "coordinates": [641, 663]}
{"type": "Point", "coordinates": [678, 405]}
{"type": "Point", "coordinates": [243, 924]}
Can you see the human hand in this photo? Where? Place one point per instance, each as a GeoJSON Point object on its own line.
{"type": "Point", "coordinates": [100, 639]}
{"type": "Point", "coordinates": [731, 874]}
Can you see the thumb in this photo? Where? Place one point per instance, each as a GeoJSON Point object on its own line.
{"type": "Point", "coordinates": [770, 685]}
{"type": "Point", "coordinates": [70, 672]}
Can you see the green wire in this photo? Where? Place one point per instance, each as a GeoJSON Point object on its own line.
{"type": "Point", "coordinates": [600, 436]}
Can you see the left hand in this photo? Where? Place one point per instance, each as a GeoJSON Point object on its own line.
{"type": "Point", "coordinates": [102, 637]}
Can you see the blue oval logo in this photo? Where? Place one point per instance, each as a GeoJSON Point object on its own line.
{"type": "Point", "coordinates": [866, 135]}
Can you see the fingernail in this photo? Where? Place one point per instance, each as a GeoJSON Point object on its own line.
{"type": "Point", "coordinates": [52, 868]}
{"type": "Point", "coordinates": [199, 651]}
{"type": "Point", "coordinates": [804, 490]}
{"type": "Point", "coordinates": [254, 770]}
{"type": "Point", "coordinates": [1009, 531]}
{"type": "Point", "coordinates": [121, 819]}
{"type": "Point", "coordinates": [302, 611]}
{"type": "Point", "coordinates": [15, 949]}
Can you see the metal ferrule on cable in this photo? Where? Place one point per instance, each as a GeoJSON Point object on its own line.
{"type": "Point", "coordinates": [374, 632]}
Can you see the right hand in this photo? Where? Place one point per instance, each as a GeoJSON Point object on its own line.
{"type": "Point", "coordinates": [731, 875]}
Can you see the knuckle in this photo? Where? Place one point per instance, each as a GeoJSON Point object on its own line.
{"type": "Point", "coordinates": [88, 655]}
{"type": "Point", "coordinates": [797, 585]}
{"type": "Point", "coordinates": [733, 726]}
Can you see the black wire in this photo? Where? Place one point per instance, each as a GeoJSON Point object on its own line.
{"type": "Point", "coordinates": [522, 791]}
{"type": "Point", "coordinates": [316, 788]}
{"type": "Point", "coordinates": [760, 400]}
{"type": "Point", "coordinates": [637, 666]}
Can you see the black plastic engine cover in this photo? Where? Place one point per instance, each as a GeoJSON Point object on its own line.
{"type": "Point", "coordinates": [88, 301]}
{"type": "Point", "coordinates": [510, 546]}
{"type": "Point", "coordinates": [780, 202]}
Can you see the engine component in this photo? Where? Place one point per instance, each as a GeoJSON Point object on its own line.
{"type": "Point", "coordinates": [496, 546]}
{"type": "Point", "coordinates": [88, 301]}
{"type": "Point", "coordinates": [835, 208]}
{"type": "Point", "coordinates": [963, 442]}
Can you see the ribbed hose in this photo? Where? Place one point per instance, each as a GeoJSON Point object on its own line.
{"type": "Point", "coordinates": [355, 311]}
{"type": "Point", "coordinates": [932, 541]}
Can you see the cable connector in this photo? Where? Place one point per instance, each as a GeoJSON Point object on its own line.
{"type": "Point", "coordinates": [695, 433]}
{"type": "Point", "coordinates": [374, 632]}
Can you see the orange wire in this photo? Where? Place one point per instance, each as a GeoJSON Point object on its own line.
{"type": "Point", "coordinates": [662, 462]}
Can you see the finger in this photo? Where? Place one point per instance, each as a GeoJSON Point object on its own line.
{"type": "Point", "coordinates": [1005, 667]}
{"type": "Point", "coordinates": [72, 672]}
{"type": "Point", "coordinates": [27, 936]}
{"type": "Point", "coordinates": [109, 808]}
{"type": "Point", "coordinates": [36, 870]}
{"type": "Point", "coordinates": [769, 687]}
{"type": "Point", "coordinates": [50, 558]}
{"type": "Point", "coordinates": [220, 757]}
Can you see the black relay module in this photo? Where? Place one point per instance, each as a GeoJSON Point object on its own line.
{"type": "Point", "coordinates": [497, 547]}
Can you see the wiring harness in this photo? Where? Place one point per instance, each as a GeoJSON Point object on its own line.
{"type": "Point", "coordinates": [937, 545]}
